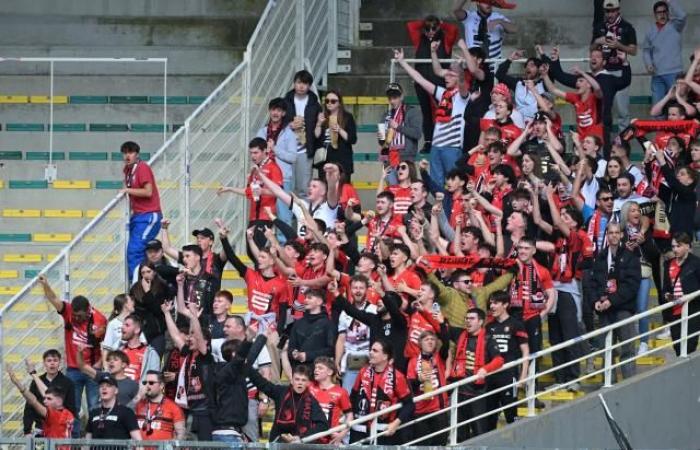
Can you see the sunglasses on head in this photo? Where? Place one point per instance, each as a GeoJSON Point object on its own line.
{"type": "Point", "coordinates": [331, 101]}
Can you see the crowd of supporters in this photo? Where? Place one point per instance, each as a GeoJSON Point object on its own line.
{"type": "Point", "coordinates": [505, 225]}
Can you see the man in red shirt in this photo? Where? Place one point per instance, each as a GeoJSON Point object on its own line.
{"type": "Point", "coordinates": [142, 357]}
{"type": "Point", "coordinates": [58, 420]}
{"type": "Point", "coordinates": [144, 200]}
{"type": "Point", "coordinates": [385, 224]}
{"type": "Point", "coordinates": [83, 326]}
{"type": "Point", "coordinates": [586, 101]}
{"type": "Point", "coordinates": [333, 399]}
{"type": "Point", "coordinates": [159, 418]}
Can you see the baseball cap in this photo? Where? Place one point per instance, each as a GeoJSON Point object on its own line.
{"type": "Point", "coordinates": [394, 89]}
{"type": "Point", "coordinates": [611, 4]}
{"type": "Point", "coordinates": [206, 232]}
{"type": "Point", "coordinates": [155, 244]}
{"type": "Point", "coordinates": [540, 117]}
{"type": "Point", "coordinates": [107, 378]}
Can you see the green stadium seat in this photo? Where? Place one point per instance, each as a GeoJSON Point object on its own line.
{"type": "Point", "coordinates": [367, 128]}
{"type": "Point", "coordinates": [11, 155]}
{"type": "Point", "coordinates": [117, 156]}
{"type": "Point", "coordinates": [88, 156]}
{"type": "Point", "coordinates": [15, 237]}
{"type": "Point", "coordinates": [99, 127]}
{"type": "Point", "coordinates": [69, 127]}
{"type": "Point", "coordinates": [172, 100]}
{"type": "Point", "coordinates": [44, 156]}
{"type": "Point", "coordinates": [148, 127]}
{"type": "Point", "coordinates": [25, 127]}
{"type": "Point", "coordinates": [195, 99]}
{"type": "Point", "coordinates": [29, 184]}
{"type": "Point", "coordinates": [108, 184]}
{"type": "Point", "coordinates": [130, 99]}
{"type": "Point", "coordinates": [640, 100]}
{"type": "Point", "coordinates": [89, 99]}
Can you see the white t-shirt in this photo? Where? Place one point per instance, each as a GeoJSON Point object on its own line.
{"type": "Point", "coordinates": [113, 335]}
{"type": "Point", "coordinates": [322, 211]}
{"type": "Point", "coordinates": [589, 189]}
{"type": "Point", "coordinates": [356, 334]}
{"type": "Point", "coordinates": [450, 134]}
{"type": "Point", "coordinates": [471, 31]}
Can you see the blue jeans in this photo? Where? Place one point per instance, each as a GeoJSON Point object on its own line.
{"type": "Point", "coordinates": [642, 305]}
{"type": "Point", "coordinates": [660, 85]}
{"type": "Point", "coordinates": [142, 228]}
{"type": "Point", "coordinates": [82, 382]}
{"type": "Point", "coordinates": [283, 212]}
{"type": "Point", "coordinates": [349, 378]}
{"type": "Point", "coordinates": [442, 160]}
{"type": "Point", "coordinates": [235, 441]}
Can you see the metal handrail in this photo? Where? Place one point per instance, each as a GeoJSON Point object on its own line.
{"type": "Point", "coordinates": [453, 387]}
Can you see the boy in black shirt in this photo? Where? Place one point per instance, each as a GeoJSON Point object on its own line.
{"type": "Point", "coordinates": [111, 420]}
{"type": "Point", "coordinates": [511, 337]}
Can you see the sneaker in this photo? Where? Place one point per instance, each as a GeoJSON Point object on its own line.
{"type": "Point", "coordinates": [643, 348]}
{"type": "Point", "coordinates": [574, 387]}
{"type": "Point", "coordinates": [665, 334]}
{"type": "Point", "coordinates": [426, 147]}
{"type": "Point", "coordinates": [539, 404]}
{"type": "Point", "coordinates": [590, 366]}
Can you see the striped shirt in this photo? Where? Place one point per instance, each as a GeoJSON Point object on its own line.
{"type": "Point", "coordinates": [471, 32]}
{"type": "Point", "coordinates": [450, 134]}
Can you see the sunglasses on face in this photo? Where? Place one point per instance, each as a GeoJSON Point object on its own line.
{"type": "Point", "coordinates": [331, 101]}
{"type": "Point", "coordinates": [466, 281]}
{"type": "Point", "coordinates": [428, 29]}
{"type": "Point", "coordinates": [606, 199]}
{"type": "Point", "coordinates": [403, 167]}
{"type": "Point", "coordinates": [149, 382]}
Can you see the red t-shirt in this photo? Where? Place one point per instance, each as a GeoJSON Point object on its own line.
{"type": "Point", "coordinates": [528, 284]}
{"type": "Point", "coordinates": [379, 229]}
{"type": "Point", "coordinates": [78, 334]}
{"type": "Point", "coordinates": [380, 392]}
{"type": "Point", "coordinates": [257, 209]}
{"type": "Point", "coordinates": [509, 131]}
{"type": "Point", "coordinates": [306, 273]}
{"type": "Point", "coordinates": [418, 322]}
{"type": "Point", "coordinates": [409, 277]}
{"type": "Point", "coordinates": [402, 199]}
{"type": "Point", "coordinates": [163, 417]}
{"type": "Point", "coordinates": [58, 423]}
{"type": "Point", "coordinates": [135, 366]}
{"type": "Point", "coordinates": [571, 251]}
{"type": "Point", "coordinates": [371, 296]}
{"type": "Point", "coordinates": [334, 402]}
{"type": "Point", "coordinates": [348, 192]}
{"type": "Point", "coordinates": [137, 176]}
{"type": "Point", "coordinates": [587, 116]}
{"type": "Point", "coordinates": [264, 295]}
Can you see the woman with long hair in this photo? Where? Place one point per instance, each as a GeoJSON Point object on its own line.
{"type": "Point", "coordinates": [122, 306]}
{"type": "Point", "coordinates": [149, 293]}
{"type": "Point", "coordinates": [637, 238]}
{"type": "Point", "coordinates": [531, 168]}
{"type": "Point", "coordinates": [612, 173]}
{"type": "Point", "coordinates": [337, 131]}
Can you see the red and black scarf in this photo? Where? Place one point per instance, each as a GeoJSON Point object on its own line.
{"type": "Point", "coordinates": [459, 370]}
{"type": "Point", "coordinates": [443, 112]}
{"type": "Point", "coordinates": [295, 415]}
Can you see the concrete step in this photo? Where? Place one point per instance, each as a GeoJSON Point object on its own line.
{"type": "Point", "coordinates": [108, 84]}
{"type": "Point", "coordinates": [87, 141]}
{"type": "Point", "coordinates": [116, 31]}
{"type": "Point", "coordinates": [85, 114]}
{"type": "Point", "coordinates": [181, 61]}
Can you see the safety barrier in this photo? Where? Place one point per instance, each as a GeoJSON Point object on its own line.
{"type": "Point", "coordinates": [609, 366]}
{"type": "Point", "coordinates": [205, 153]}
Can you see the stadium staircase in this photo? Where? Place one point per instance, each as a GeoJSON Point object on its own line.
{"type": "Point", "coordinates": [98, 106]}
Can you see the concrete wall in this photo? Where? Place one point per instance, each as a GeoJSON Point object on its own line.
{"type": "Point", "coordinates": [659, 409]}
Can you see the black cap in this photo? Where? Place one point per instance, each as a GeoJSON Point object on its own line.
{"type": "Point", "coordinates": [106, 378]}
{"type": "Point", "coordinates": [155, 244]}
{"type": "Point", "coordinates": [394, 89]}
{"type": "Point", "coordinates": [206, 232]}
{"type": "Point", "coordinates": [540, 117]}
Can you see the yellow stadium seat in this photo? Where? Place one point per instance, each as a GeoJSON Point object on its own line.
{"type": "Point", "coordinates": [63, 213]}
{"type": "Point", "coordinates": [99, 238]}
{"type": "Point", "coordinates": [52, 237]}
{"type": "Point", "coordinates": [72, 184]}
{"type": "Point", "coordinates": [167, 184]}
{"type": "Point", "coordinates": [74, 257]}
{"type": "Point", "coordinates": [9, 290]}
{"type": "Point", "coordinates": [114, 214]}
{"type": "Point", "coordinates": [365, 185]}
{"type": "Point", "coordinates": [47, 99]}
{"type": "Point", "coordinates": [38, 307]}
{"type": "Point", "coordinates": [2, 184]}
{"type": "Point", "coordinates": [215, 185]}
{"type": "Point", "coordinates": [21, 258]}
{"type": "Point", "coordinates": [111, 259]}
{"type": "Point", "coordinates": [230, 275]}
{"type": "Point", "coordinates": [238, 309]}
{"type": "Point", "coordinates": [14, 99]}
{"type": "Point", "coordinates": [9, 274]}
{"type": "Point", "coordinates": [349, 100]}
{"type": "Point", "coordinates": [26, 213]}
{"type": "Point", "coordinates": [238, 292]}
{"type": "Point", "coordinates": [362, 240]}
{"type": "Point", "coordinates": [245, 259]}
{"type": "Point", "coordinates": [371, 101]}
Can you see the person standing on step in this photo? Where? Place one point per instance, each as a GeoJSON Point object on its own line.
{"type": "Point", "coordinates": [142, 357]}
{"type": "Point", "coordinates": [144, 200]}
{"type": "Point", "coordinates": [83, 326]}
{"type": "Point", "coordinates": [404, 121]}
{"type": "Point", "coordinates": [111, 420]}
{"type": "Point", "coordinates": [159, 418]}
{"type": "Point", "coordinates": [303, 109]}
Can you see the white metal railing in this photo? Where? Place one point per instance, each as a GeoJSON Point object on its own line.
{"type": "Point", "coordinates": [208, 151]}
{"type": "Point", "coordinates": [530, 381]}
{"type": "Point", "coordinates": [393, 62]}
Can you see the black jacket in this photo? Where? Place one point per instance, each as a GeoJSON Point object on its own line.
{"type": "Point", "coordinates": [310, 113]}
{"type": "Point", "coordinates": [313, 334]}
{"type": "Point", "coordinates": [395, 330]}
{"type": "Point", "coordinates": [31, 417]}
{"type": "Point", "coordinates": [627, 273]}
{"type": "Point", "coordinates": [681, 207]}
{"type": "Point", "coordinates": [343, 154]}
{"type": "Point", "coordinates": [690, 280]}
{"type": "Point", "coordinates": [227, 387]}
{"type": "Point", "coordinates": [301, 424]}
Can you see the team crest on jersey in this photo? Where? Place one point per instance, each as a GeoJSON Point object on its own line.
{"type": "Point", "coordinates": [507, 329]}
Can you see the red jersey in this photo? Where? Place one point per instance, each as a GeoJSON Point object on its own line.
{"type": "Point", "coordinates": [257, 208]}
{"type": "Point", "coordinates": [588, 120]}
{"type": "Point", "coordinates": [77, 333]}
{"type": "Point", "coordinates": [527, 290]}
{"type": "Point", "coordinates": [418, 322]}
{"type": "Point", "coordinates": [662, 137]}
{"type": "Point", "coordinates": [570, 252]}
{"type": "Point", "coordinates": [402, 199]}
{"type": "Point", "coordinates": [371, 296]}
{"type": "Point", "coordinates": [378, 229]}
{"type": "Point", "coordinates": [348, 192]}
{"type": "Point", "coordinates": [436, 367]}
{"type": "Point", "coordinates": [137, 176]}
{"type": "Point", "coordinates": [376, 391]}
{"type": "Point", "coordinates": [136, 356]}
{"type": "Point", "coordinates": [409, 277]}
{"type": "Point", "coordinates": [58, 423]}
{"type": "Point", "coordinates": [264, 294]}
{"type": "Point", "coordinates": [305, 272]}
{"type": "Point", "coordinates": [157, 420]}
{"type": "Point", "coordinates": [334, 401]}
{"type": "Point", "coordinates": [509, 131]}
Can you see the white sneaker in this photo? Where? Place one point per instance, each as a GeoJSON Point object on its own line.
{"type": "Point", "coordinates": [665, 334]}
{"type": "Point", "coordinates": [643, 348]}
